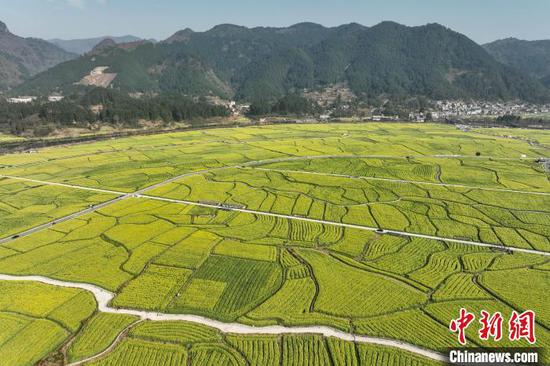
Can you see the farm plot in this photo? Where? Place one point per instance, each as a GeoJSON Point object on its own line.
{"type": "Point", "coordinates": [538, 136]}
{"type": "Point", "coordinates": [384, 140]}
{"type": "Point", "coordinates": [136, 162]}
{"type": "Point", "coordinates": [39, 315]}
{"type": "Point", "coordinates": [502, 218]}
{"type": "Point", "coordinates": [97, 335]}
{"type": "Point", "coordinates": [170, 342]}
{"type": "Point", "coordinates": [9, 138]}
{"type": "Point", "coordinates": [131, 168]}
{"type": "Point", "coordinates": [253, 270]}
{"type": "Point", "coordinates": [527, 175]}
{"type": "Point", "coordinates": [75, 255]}
{"type": "Point", "coordinates": [24, 205]}
{"type": "Point", "coordinates": [133, 352]}
{"type": "Point", "coordinates": [228, 286]}
{"type": "Point", "coordinates": [258, 269]}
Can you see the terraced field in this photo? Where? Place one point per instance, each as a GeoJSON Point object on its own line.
{"type": "Point", "coordinates": [169, 343]}
{"type": "Point", "coordinates": [273, 226]}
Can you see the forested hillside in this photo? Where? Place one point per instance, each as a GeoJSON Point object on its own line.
{"type": "Point", "coordinates": [530, 57]}
{"type": "Point", "coordinates": [103, 106]}
{"type": "Point", "coordinates": [267, 63]}
{"type": "Point", "coordinates": [21, 58]}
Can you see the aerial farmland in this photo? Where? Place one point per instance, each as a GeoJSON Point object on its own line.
{"type": "Point", "coordinates": [313, 244]}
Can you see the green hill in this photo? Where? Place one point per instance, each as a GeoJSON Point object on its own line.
{"type": "Point", "coordinates": [237, 62]}
{"type": "Point", "coordinates": [21, 58]}
{"type": "Point", "coordinates": [530, 57]}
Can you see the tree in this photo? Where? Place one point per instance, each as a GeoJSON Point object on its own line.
{"type": "Point", "coordinates": [259, 107]}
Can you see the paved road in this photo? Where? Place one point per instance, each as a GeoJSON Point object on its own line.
{"type": "Point", "coordinates": [252, 166]}
{"type": "Point", "coordinates": [393, 180]}
{"type": "Point", "coordinates": [139, 194]}
{"type": "Point", "coordinates": [416, 156]}
{"type": "Point", "coordinates": [60, 220]}
{"type": "Point", "coordinates": [120, 196]}
{"type": "Point", "coordinates": [352, 226]}
{"type": "Point", "coordinates": [104, 297]}
{"type": "Point", "coordinates": [171, 180]}
{"type": "Point", "coordinates": [66, 185]}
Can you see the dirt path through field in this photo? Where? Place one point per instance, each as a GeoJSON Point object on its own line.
{"type": "Point", "coordinates": [351, 226]}
{"type": "Point", "coordinates": [104, 297]}
{"type": "Point", "coordinates": [140, 194]}
{"type": "Point", "coordinates": [405, 181]}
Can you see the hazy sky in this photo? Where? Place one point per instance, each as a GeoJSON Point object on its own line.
{"type": "Point", "coordinates": [482, 20]}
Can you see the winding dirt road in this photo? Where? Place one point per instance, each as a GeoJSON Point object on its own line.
{"type": "Point", "coordinates": [104, 297]}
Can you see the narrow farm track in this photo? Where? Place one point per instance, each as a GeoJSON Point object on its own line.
{"type": "Point", "coordinates": [110, 348]}
{"type": "Point", "coordinates": [140, 194]}
{"type": "Point", "coordinates": [104, 297]}
{"type": "Point", "coordinates": [65, 185]}
{"type": "Point", "coordinates": [393, 180]}
{"type": "Point", "coordinates": [352, 226]}
{"type": "Point", "coordinates": [60, 220]}
{"type": "Point", "coordinates": [350, 156]}
{"type": "Point", "coordinates": [121, 196]}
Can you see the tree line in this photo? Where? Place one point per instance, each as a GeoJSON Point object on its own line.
{"type": "Point", "coordinates": [102, 106]}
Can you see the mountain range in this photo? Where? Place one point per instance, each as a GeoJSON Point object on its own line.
{"type": "Point", "coordinates": [21, 58]}
{"type": "Point", "coordinates": [530, 57]}
{"type": "Point", "coordinates": [82, 46]}
{"type": "Point", "coordinates": [231, 61]}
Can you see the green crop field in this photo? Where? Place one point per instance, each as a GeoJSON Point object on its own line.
{"type": "Point", "coordinates": [274, 225]}
{"type": "Point", "coordinates": [99, 332]}
{"type": "Point", "coordinates": [497, 217]}
{"type": "Point", "coordinates": [36, 319]}
{"type": "Point", "coordinates": [24, 205]}
{"type": "Point", "coordinates": [541, 137]}
{"type": "Point", "coordinates": [9, 138]}
{"type": "Point", "coordinates": [172, 343]}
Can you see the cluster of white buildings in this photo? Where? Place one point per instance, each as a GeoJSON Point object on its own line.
{"type": "Point", "coordinates": [21, 100]}
{"type": "Point", "coordinates": [458, 108]}
{"type": "Point", "coordinates": [30, 99]}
